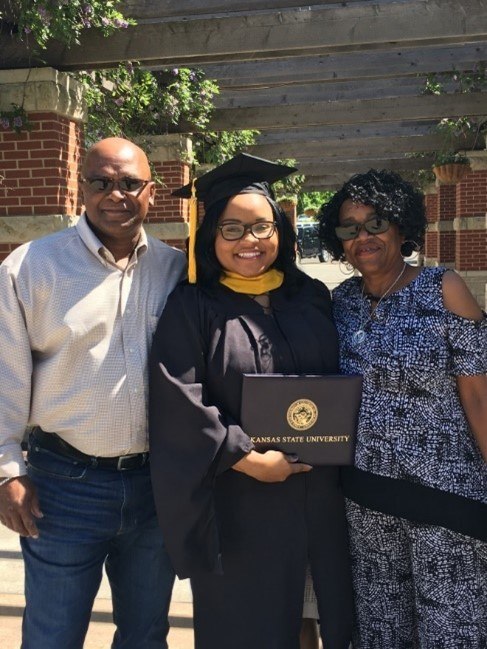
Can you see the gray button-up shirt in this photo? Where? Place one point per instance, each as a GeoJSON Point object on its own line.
{"type": "Point", "coordinates": [75, 332]}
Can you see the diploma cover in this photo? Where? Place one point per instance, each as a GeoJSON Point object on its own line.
{"type": "Point", "coordinates": [312, 416]}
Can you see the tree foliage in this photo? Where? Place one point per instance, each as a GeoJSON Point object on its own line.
{"type": "Point", "coordinates": [313, 200]}
{"type": "Point", "coordinates": [39, 21]}
{"type": "Point", "coordinates": [129, 101]}
{"type": "Point", "coordinates": [215, 147]}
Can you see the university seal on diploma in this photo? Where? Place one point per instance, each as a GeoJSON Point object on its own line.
{"type": "Point", "coordinates": [302, 414]}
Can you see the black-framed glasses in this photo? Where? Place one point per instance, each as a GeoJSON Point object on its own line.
{"type": "Point", "coordinates": [260, 230]}
{"type": "Point", "coordinates": [375, 225]}
{"type": "Point", "coordinates": [106, 185]}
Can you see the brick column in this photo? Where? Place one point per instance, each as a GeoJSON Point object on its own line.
{"type": "Point", "coordinates": [432, 216]}
{"type": "Point", "coordinates": [446, 215]}
{"type": "Point", "coordinates": [471, 226]}
{"type": "Point", "coordinates": [167, 220]}
{"type": "Point", "coordinates": [39, 168]}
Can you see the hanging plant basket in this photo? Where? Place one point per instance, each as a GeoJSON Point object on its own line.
{"type": "Point", "coordinates": [450, 174]}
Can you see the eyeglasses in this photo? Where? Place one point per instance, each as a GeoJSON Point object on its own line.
{"type": "Point", "coordinates": [260, 230]}
{"type": "Point", "coordinates": [375, 225]}
{"type": "Point", "coordinates": [107, 185]}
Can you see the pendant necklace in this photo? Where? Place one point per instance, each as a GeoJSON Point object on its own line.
{"type": "Point", "coordinates": [359, 336]}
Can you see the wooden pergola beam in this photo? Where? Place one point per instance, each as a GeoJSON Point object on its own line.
{"type": "Point", "coordinates": [360, 148]}
{"type": "Point", "coordinates": [309, 93]}
{"type": "Point", "coordinates": [268, 33]}
{"type": "Point", "coordinates": [345, 66]}
{"type": "Point", "coordinates": [344, 132]}
{"type": "Point", "coordinates": [347, 166]}
{"type": "Point", "coordinates": [425, 107]}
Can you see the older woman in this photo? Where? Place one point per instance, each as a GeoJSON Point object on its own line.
{"type": "Point", "coordinates": [417, 495]}
{"type": "Point", "coordinates": [243, 524]}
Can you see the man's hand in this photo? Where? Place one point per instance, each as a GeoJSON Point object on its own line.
{"type": "Point", "coordinates": [271, 466]}
{"type": "Point", "coordinates": [19, 506]}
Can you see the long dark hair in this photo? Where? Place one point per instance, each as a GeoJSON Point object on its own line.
{"type": "Point", "coordinates": [393, 198]}
{"type": "Point", "coordinates": [209, 269]}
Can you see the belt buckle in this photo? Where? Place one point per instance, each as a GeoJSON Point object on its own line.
{"type": "Point", "coordinates": [122, 459]}
{"type": "Point", "coordinates": [131, 464]}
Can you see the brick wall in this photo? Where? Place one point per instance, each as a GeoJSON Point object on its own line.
{"type": "Point", "coordinates": [471, 194]}
{"type": "Point", "coordinates": [457, 220]}
{"type": "Point", "coordinates": [471, 250]}
{"type": "Point", "coordinates": [431, 239]}
{"type": "Point", "coordinates": [167, 208]}
{"type": "Point", "coordinates": [431, 246]}
{"type": "Point", "coordinates": [40, 167]}
{"type": "Point", "coordinates": [431, 204]}
{"type": "Point", "coordinates": [39, 188]}
{"type": "Point", "coordinates": [471, 234]}
{"type": "Point", "coordinates": [447, 202]}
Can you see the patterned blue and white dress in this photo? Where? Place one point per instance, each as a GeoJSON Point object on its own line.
{"type": "Point", "coordinates": [417, 497]}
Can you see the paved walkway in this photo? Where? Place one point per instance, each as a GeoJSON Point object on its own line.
{"type": "Point", "coordinates": [101, 628]}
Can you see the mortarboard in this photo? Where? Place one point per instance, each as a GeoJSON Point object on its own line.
{"type": "Point", "coordinates": [241, 174]}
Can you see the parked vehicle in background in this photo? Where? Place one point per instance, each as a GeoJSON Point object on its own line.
{"type": "Point", "coordinates": [309, 242]}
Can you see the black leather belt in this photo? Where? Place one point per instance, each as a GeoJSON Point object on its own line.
{"type": "Point", "coordinates": [54, 443]}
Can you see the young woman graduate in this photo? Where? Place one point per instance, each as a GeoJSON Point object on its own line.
{"type": "Point", "coordinates": [242, 524]}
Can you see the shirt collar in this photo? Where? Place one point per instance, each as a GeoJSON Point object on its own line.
{"type": "Point", "coordinates": [96, 247]}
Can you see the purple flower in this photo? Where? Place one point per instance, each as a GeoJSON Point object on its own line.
{"type": "Point", "coordinates": [192, 76]}
{"type": "Point", "coordinates": [106, 21]}
{"type": "Point", "coordinates": [175, 71]}
{"type": "Point", "coordinates": [120, 23]}
{"type": "Point", "coordinates": [18, 121]}
{"type": "Point", "coordinates": [5, 122]}
{"type": "Point", "coordinates": [44, 14]}
{"type": "Point", "coordinates": [88, 9]}
{"type": "Point", "coordinates": [119, 101]}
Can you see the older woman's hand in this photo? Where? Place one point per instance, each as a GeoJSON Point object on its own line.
{"type": "Point", "coordinates": [271, 466]}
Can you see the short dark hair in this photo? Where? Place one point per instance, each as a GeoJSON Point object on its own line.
{"type": "Point", "coordinates": [209, 269]}
{"type": "Point", "coordinates": [394, 199]}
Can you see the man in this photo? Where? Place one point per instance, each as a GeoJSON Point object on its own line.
{"type": "Point", "coordinates": [77, 314]}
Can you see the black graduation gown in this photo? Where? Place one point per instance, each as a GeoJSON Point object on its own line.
{"type": "Point", "coordinates": [244, 543]}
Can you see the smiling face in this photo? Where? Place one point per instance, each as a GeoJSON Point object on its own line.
{"type": "Point", "coordinates": [115, 216]}
{"type": "Point", "coordinates": [370, 254]}
{"type": "Point", "coordinates": [247, 256]}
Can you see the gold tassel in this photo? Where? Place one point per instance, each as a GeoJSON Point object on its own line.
{"type": "Point", "coordinates": [193, 218]}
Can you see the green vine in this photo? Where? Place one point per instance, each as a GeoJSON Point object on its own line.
{"type": "Point", "coordinates": [454, 129]}
{"type": "Point", "coordinates": [129, 101]}
{"type": "Point", "coordinates": [15, 119]}
{"type": "Point", "coordinates": [450, 157]}
{"type": "Point", "coordinates": [216, 147]}
{"type": "Point", "coordinates": [64, 20]}
{"type": "Point", "coordinates": [313, 200]}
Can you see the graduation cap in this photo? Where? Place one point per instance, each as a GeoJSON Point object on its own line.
{"type": "Point", "coordinates": [242, 174]}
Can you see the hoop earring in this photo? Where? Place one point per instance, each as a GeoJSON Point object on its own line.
{"type": "Point", "coordinates": [345, 267]}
